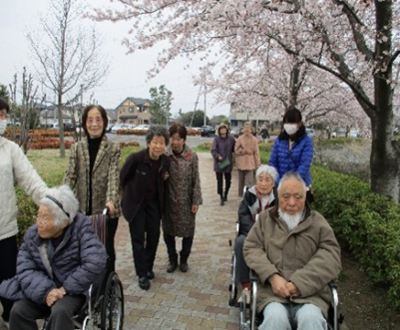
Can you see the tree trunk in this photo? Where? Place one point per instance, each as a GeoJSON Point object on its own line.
{"type": "Point", "coordinates": [61, 124]}
{"type": "Point", "coordinates": [384, 156]}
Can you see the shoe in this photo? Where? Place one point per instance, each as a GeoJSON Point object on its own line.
{"type": "Point", "coordinates": [173, 264]}
{"type": "Point", "coordinates": [226, 197]}
{"type": "Point", "coordinates": [144, 283]}
{"type": "Point", "coordinates": [221, 201]}
{"type": "Point", "coordinates": [246, 293]}
{"type": "Point", "coordinates": [184, 267]}
{"type": "Point", "coordinates": [150, 275]}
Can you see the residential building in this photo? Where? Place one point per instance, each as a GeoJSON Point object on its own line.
{"type": "Point", "coordinates": [134, 111]}
{"type": "Point", "coordinates": [238, 116]}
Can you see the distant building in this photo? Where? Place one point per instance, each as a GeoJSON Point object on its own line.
{"type": "Point", "coordinates": [112, 116]}
{"type": "Point", "coordinates": [134, 111]}
{"type": "Point", "coordinates": [238, 116]}
{"type": "Point", "coordinates": [49, 115]}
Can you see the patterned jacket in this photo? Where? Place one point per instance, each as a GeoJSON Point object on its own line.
{"type": "Point", "coordinates": [105, 175]}
{"type": "Point", "coordinates": [182, 191]}
{"type": "Point", "coordinates": [298, 159]}
{"type": "Point", "coordinates": [77, 262]}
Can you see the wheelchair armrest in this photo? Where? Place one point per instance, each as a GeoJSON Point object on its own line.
{"type": "Point", "coordinates": [253, 276]}
{"type": "Point", "coordinates": [335, 304]}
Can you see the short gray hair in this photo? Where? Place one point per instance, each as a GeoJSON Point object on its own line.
{"type": "Point", "coordinates": [271, 171]}
{"type": "Point", "coordinates": [157, 130]}
{"type": "Point", "coordinates": [61, 203]}
{"type": "Point", "coordinates": [292, 175]}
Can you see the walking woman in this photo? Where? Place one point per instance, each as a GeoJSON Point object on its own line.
{"type": "Point", "coordinates": [247, 157]}
{"type": "Point", "coordinates": [183, 197]}
{"type": "Point", "coordinates": [15, 169]}
{"type": "Point", "coordinates": [293, 150]}
{"type": "Point", "coordinates": [143, 179]}
{"type": "Point", "coordinates": [222, 151]}
{"type": "Point", "coordinates": [93, 172]}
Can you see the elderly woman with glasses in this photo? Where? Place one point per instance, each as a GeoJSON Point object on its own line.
{"type": "Point", "coordinates": [60, 258]}
{"type": "Point", "coordinates": [255, 200]}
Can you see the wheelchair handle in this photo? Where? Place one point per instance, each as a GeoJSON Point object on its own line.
{"type": "Point", "coordinates": [106, 211]}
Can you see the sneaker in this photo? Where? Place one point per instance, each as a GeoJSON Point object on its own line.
{"type": "Point", "coordinates": [246, 293]}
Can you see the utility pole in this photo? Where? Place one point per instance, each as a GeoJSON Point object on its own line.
{"type": "Point", "coordinates": [205, 100]}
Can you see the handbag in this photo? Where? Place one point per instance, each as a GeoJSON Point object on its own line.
{"type": "Point", "coordinates": [223, 164]}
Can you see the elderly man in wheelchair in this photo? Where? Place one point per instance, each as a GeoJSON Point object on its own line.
{"type": "Point", "coordinates": [60, 258]}
{"type": "Point", "coordinates": [295, 254]}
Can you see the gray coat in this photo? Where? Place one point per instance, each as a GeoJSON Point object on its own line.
{"type": "Point", "coordinates": [105, 176]}
{"type": "Point", "coordinates": [182, 191]}
{"type": "Point", "coordinates": [77, 262]}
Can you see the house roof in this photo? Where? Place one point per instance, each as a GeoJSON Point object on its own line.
{"type": "Point", "coordinates": [136, 100]}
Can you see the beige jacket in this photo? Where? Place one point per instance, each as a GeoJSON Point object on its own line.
{"type": "Point", "coordinates": [244, 161]}
{"type": "Point", "coordinates": [308, 256]}
{"type": "Point", "coordinates": [105, 175]}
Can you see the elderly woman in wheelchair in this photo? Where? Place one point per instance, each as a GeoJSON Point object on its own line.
{"type": "Point", "coordinates": [294, 253]}
{"type": "Point", "coordinates": [256, 199]}
{"type": "Point", "coordinates": [60, 258]}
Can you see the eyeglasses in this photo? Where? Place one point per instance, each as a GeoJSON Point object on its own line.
{"type": "Point", "coordinates": [91, 121]}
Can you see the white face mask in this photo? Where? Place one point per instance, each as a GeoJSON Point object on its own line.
{"type": "Point", "coordinates": [290, 128]}
{"type": "Point", "coordinates": [3, 125]}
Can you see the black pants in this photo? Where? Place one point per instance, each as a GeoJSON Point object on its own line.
{"type": "Point", "coordinates": [8, 261]}
{"type": "Point", "coordinates": [25, 313]}
{"type": "Point", "coordinates": [228, 178]}
{"type": "Point", "coordinates": [187, 243]}
{"type": "Point", "coordinates": [145, 234]}
{"type": "Point", "coordinates": [112, 226]}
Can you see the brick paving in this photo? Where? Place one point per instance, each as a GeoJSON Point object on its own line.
{"type": "Point", "coordinates": [197, 299]}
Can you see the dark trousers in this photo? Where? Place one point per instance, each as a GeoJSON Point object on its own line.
{"type": "Point", "coordinates": [145, 234]}
{"type": "Point", "coordinates": [8, 260]}
{"type": "Point", "coordinates": [228, 179]}
{"type": "Point", "coordinates": [187, 243]}
{"type": "Point", "coordinates": [242, 271]}
{"type": "Point", "coordinates": [112, 225]}
{"type": "Point", "coordinates": [25, 313]}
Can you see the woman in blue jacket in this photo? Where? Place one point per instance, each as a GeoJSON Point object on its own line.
{"type": "Point", "coordinates": [293, 150]}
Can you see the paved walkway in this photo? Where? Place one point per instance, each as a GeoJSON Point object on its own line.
{"type": "Point", "coordinates": [197, 299]}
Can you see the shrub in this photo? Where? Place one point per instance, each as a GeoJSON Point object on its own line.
{"type": "Point", "coordinates": [366, 224]}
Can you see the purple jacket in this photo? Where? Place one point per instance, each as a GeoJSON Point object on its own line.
{"type": "Point", "coordinates": [223, 147]}
{"type": "Point", "coordinates": [77, 262]}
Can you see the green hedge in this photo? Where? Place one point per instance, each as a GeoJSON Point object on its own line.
{"type": "Point", "coordinates": [366, 224]}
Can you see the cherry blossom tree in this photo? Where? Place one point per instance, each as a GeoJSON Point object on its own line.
{"type": "Point", "coordinates": [353, 41]}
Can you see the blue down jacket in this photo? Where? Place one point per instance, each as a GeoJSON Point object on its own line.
{"type": "Point", "coordinates": [77, 262]}
{"type": "Point", "coordinates": [298, 159]}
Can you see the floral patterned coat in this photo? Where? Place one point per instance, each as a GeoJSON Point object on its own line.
{"type": "Point", "coordinates": [183, 191]}
{"type": "Point", "coordinates": [105, 175]}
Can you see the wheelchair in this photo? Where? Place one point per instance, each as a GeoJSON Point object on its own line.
{"type": "Point", "coordinates": [104, 307]}
{"type": "Point", "coordinates": [249, 319]}
{"type": "Point", "coordinates": [233, 287]}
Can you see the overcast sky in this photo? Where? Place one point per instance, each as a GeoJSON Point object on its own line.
{"type": "Point", "coordinates": [127, 75]}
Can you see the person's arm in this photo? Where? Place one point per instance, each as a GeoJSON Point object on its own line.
{"type": "Point", "coordinates": [113, 196]}
{"type": "Point", "coordinates": [239, 149]}
{"type": "Point", "coordinates": [257, 159]}
{"type": "Point", "coordinates": [245, 216]}
{"type": "Point", "coordinates": [215, 151]}
{"type": "Point", "coordinates": [323, 267]}
{"type": "Point", "coordinates": [26, 176]}
{"type": "Point", "coordinates": [197, 198]}
{"type": "Point", "coordinates": [128, 170]}
{"type": "Point", "coordinates": [71, 175]}
{"type": "Point", "coordinates": [34, 281]}
{"type": "Point", "coordinates": [255, 253]}
{"type": "Point", "coordinates": [93, 258]}
{"type": "Point", "coordinates": [306, 158]}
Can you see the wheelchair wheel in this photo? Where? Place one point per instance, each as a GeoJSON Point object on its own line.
{"type": "Point", "coordinates": [112, 313]}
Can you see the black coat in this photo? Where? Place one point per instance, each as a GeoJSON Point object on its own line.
{"type": "Point", "coordinates": [134, 182]}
